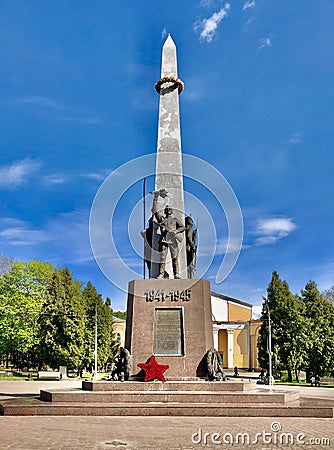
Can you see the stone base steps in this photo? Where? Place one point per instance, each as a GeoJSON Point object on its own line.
{"type": "Point", "coordinates": [314, 401]}
{"type": "Point", "coordinates": [36, 407]}
{"type": "Point", "coordinates": [180, 386]}
{"type": "Point", "coordinates": [167, 397]}
{"type": "Point", "coordinates": [173, 398]}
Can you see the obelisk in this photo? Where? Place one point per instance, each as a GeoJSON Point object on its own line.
{"type": "Point", "coordinates": [169, 175]}
{"type": "Point", "coordinates": [168, 317]}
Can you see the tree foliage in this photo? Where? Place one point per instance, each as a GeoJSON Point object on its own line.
{"type": "Point", "coordinates": [46, 318]}
{"type": "Point", "coordinates": [288, 328]}
{"type": "Point", "coordinates": [302, 329]}
{"type": "Point", "coordinates": [61, 323]}
{"type": "Point", "coordinates": [5, 263]}
{"type": "Point", "coordinates": [329, 294]}
{"type": "Point", "coordinates": [22, 290]}
{"type": "Point", "coordinates": [120, 314]}
{"type": "Point", "coordinates": [319, 312]}
{"type": "Point", "coordinates": [98, 314]}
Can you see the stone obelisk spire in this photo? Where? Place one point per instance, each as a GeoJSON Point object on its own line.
{"type": "Point", "coordinates": [169, 173]}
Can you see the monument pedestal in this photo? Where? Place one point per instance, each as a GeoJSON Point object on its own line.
{"type": "Point", "coordinates": [172, 320]}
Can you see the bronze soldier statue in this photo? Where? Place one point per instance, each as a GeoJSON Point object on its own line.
{"type": "Point", "coordinates": [190, 246]}
{"type": "Point", "coordinates": [171, 230]}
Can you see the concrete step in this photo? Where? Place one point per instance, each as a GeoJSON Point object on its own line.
{"type": "Point", "coordinates": [35, 407]}
{"type": "Point", "coordinates": [144, 397]}
{"type": "Point", "coordinates": [314, 401]}
{"type": "Point", "coordinates": [230, 386]}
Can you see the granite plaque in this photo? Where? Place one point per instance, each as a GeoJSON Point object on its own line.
{"type": "Point", "coordinates": [168, 335]}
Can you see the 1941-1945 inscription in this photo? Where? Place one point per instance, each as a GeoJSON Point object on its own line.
{"type": "Point", "coordinates": [161, 295]}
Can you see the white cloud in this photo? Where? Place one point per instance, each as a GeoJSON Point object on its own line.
{"type": "Point", "coordinates": [64, 239]}
{"type": "Point", "coordinates": [59, 110]}
{"type": "Point", "coordinates": [234, 245]}
{"type": "Point", "coordinates": [296, 138]}
{"type": "Point", "coordinates": [256, 312]}
{"type": "Point", "coordinates": [206, 3]}
{"type": "Point", "coordinates": [248, 4]}
{"type": "Point", "coordinates": [71, 234]}
{"type": "Point", "coordinates": [97, 176]}
{"type": "Point", "coordinates": [41, 102]}
{"type": "Point", "coordinates": [56, 178]}
{"type": "Point", "coordinates": [62, 178]}
{"type": "Point", "coordinates": [163, 33]}
{"type": "Point", "coordinates": [17, 174]}
{"type": "Point", "coordinates": [20, 233]}
{"type": "Point", "coordinates": [270, 230]}
{"type": "Point", "coordinates": [91, 120]}
{"type": "Point", "coordinates": [247, 24]}
{"type": "Point", "coordinates": [264, 43]}
{"type": "Point", "coordinates": [208, 27]}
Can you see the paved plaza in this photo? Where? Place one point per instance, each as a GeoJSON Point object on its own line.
{"type": "Point", "coordinates": [78, 433]}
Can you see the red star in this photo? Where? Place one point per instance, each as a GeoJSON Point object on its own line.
{"type": "Point", "coordinates": [153, 370]}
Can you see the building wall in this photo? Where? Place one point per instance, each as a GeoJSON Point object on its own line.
{"type": "Point", "coordinates": [239, 313]}
{"type": "Point", "coordinates": [219, 309]}
{"type": "Point", "coordinates": [119, 329]}
{"type": "Point", "coordinates": [254, 329]}
{"type": "Point", "coordinates": [240, 356]}
{"type": "Point", "coordinates": [222, 346]}
{"type": "Point", "coordinates": [244, 352]}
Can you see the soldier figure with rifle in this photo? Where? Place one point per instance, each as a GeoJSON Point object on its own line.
{"type": "Point", "coordinates": [171, 230]}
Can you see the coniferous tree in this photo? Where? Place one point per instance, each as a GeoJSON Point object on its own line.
{"type": "Point", "coordinates": [288, 329]}
{"type": "Point", "coordinates": [329, 294]}
{"type": "Point", "coordinates": [105, 337]}
{"type": "Point", "coordinates": [90, 299]}
{"type": "Point", "coordinates": [110, 345]}
{"type": "Point", "coordinates": [120, 314]}
{"type": "Point", "coordinates": [114, 346]}
{"type": "Point", "coordinates": [319, 313]}
{"type": "Point", "coordinates": [62, 323]}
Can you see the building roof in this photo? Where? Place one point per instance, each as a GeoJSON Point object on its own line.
{"type": "Point", "coordinates": [117, 319]}
{"type": "Point", "coordinates": [231, 299]}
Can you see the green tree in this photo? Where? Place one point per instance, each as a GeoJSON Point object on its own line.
{"type": "Point", "coordinates": [288, 329]}
{"type": "Point", "coordinates": [5, 263]}
{"type": "Point", "coordinates": [62, 323]}
{"type": "Point", "coordinates": [22, 293]}
{"type": "Point", "coordinates": [120, 314]}
{"type": "Point", "coordinates": [329, 294]}
{"type": "Point", "coordinates": [114, 348]}
{"type": "Point", "coordinates": [96, 309]}
{"type": "Point", "coordinates": [319, 313]}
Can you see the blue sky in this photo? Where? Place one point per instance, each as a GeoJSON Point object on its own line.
{"type": "Point", "coordinates": [78, 101]}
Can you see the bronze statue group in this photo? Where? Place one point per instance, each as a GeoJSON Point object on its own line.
{"type": "Point", "coordinates": [171, 234]}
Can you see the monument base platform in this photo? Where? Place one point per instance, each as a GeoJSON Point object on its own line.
{"type": "Point", "coordinates": [170, 319]}
{"type": "Point", "coordinates": [202, 399]}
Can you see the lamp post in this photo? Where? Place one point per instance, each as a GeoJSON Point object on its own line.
{"type": "Point", "coordinates": [144, 218]}
{"type": "Point", "coordinates": [95, 377]}
{"type": "Point", "coordinates": [270, 353]}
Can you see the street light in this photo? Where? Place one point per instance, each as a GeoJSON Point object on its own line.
{"type": "Point", "coordinates": [95, 377]}
{"type": "Point", "coordinates": [270, 353]}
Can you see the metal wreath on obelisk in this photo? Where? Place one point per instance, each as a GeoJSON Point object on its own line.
{"type": "Point", "coordinates": [169, 314]}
